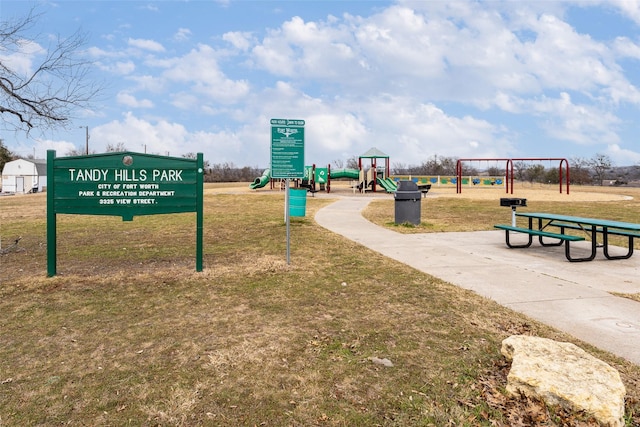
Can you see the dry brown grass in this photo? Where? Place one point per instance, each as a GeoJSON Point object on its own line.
{"type": "Point", "coordinates": [129, 333]}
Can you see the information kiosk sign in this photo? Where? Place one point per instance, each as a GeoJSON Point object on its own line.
{"type": "Point", "coordinates": [125, 184]}
{"type": "Point", "coordinates": [287, 158]}
{"type": "Point", "coordinates": [287, 148]}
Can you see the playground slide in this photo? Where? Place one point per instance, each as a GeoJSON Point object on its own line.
{"type": "Point", "coordinates": [261, 181]}
{"type": "Point", "coordinates": [388, 184]}
{"type": "Point", "coordinates": [345, 173]}
{"type": "Point", "coordinates": [392, 183]}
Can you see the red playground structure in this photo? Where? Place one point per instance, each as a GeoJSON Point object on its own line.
{"type": "Point", "coordinates": [509, 170]}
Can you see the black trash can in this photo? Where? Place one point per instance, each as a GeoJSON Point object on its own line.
{"type": "Point", "coordinates": [407, 203]}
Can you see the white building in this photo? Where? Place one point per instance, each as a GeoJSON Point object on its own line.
{"type": "Point", "coordinates": [24, 176]}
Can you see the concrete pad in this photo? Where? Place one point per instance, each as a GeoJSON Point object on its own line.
{"type": "Point", "coordinates": [537, 281]}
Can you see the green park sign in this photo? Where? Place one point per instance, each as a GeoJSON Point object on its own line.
{"type": "Point", "coordinates": [125, 184]}
{"type": "Point", "coordinates": [287, 148]}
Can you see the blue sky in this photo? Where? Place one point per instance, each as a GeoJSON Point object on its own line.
{"type": "Point", "coordinates": [471, 79]}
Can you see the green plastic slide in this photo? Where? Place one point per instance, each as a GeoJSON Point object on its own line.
{"type": "Point", "coordinates": [388, 184]}
{"type": "Point", "coordinates": [261, 181]}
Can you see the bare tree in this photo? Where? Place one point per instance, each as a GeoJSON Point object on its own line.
{"type": "Point", "coordinates": [495, 171]}
{"type": "Point", "coordinates": [580, 171]}
{"type": "Point", "coordinates": [599, 164]}
{"type": "Point", "coordinates": [338, 164]}
{"type": "Point", "coordinates": [118, 148]}
{"type": "Point", "coordinates": [192, 155]}
{"type": "Point", "coordinates": [437, 165]}
{"type": "Point", "coordinates": [78, 152]}
{"type": "Point", "coordinates": [551, 176]}
{"type": "Point", "coordinates": [535, 173]}
{"type": "Point", "coordinates": [43, 96]}
{"type": "Point", "coordinates": [400, 168]}
{"type": "Point", "coordinates": [228, 172]}
{"type": "Point", "coordinates": [352, 162]}
{"type": "Point", "coordinates": [520, 170]}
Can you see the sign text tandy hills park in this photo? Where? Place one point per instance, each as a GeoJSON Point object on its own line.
{"type": "Point", "coordinates": [123, 184]}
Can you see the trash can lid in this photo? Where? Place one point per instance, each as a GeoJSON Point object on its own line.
{"type": "Point", "coordinates": [407, 186]}
{"type": "Point", "coordinates": [407, 190]}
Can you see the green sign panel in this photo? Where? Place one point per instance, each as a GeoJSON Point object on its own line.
{"type": "Point", "coordinates": [123, 184]}
{"type": "Point", "coordinates": [287, 148]}
{"type": "Point", "coordinates": [321, 175]}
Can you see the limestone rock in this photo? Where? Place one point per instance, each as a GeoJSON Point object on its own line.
{"type": "Point", "coordinates": [564, 374]}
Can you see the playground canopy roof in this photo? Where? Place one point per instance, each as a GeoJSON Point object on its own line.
{"type": "Point", "coordinates": [374, 153]}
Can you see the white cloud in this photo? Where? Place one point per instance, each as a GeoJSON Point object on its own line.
{"type": "Point", "coordinates": [621, 156]}
{"type": "Point", "coordinates": [22, 62]}
{"type": "Point", "coordinates": [631, 9]}
{"type": "Point", "coordinates": [144, 44]}
{"type": "Point", "coordinates": [199, 69]}
{"type": "Point", "coordinates": [187, 101]}
{"type": "Point", "coordinates": [150, 7]}
{"type": "Point", "coordinates": [182, 35]}
{"type": "Point", "coordinates": [309, 50]}
{"type": "Point", "coordinates": [562, 58]}
{"type": "Point", "coordinates": [131, 101]}
{"type": "Point", "coordinates": [462, 51]}
{"type": "Point", "coordinates": [119, 68]}
{"type": "Point", "coordinates": [159, 136]}
{"type": "Point", "coordinates": [61, 147]}
{"type": "Point", "coordinates": [336, 132]}
{"type": "Point", "coordinates": [240, 40]}
{"type": "Point", "coordinates": [404, 44]}
{"type": "Point", "coordinates": [582, 124]}
{"type": "Point", "coordinates": [148, 82]}
{"type": "Point", "coordinates": [626, 48]}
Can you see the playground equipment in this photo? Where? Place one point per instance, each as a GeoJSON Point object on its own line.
{"type": "Point", "coordinates": [509, 170]}
{"type": "Point", "coordinates": [344, 173]}
{"type": "Point", "coordinates": [321, 177]}
{"type": "Point", "coordinates": [367, 180]}
{"type": "Point", "coordinates": [262, 180]}
{"type": "Point", "coordinates": [373, 155]}
{"type": "Point", "coordinates": [388, 184]}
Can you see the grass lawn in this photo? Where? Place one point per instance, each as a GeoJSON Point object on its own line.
{"type": "Point", "coordinates": [128, 333]}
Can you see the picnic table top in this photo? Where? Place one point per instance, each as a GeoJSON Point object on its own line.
{"type": "Point", "coordinates": [581, 220]}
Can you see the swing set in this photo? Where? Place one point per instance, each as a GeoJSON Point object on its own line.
{"type": "Point", "coordinates": [509, 170]}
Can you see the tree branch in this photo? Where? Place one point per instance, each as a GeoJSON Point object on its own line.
{"type": "Point", "coordinates": [45, 96]}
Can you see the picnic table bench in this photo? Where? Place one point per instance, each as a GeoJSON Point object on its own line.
{"type": "Point", "coordinates": [540, 224]}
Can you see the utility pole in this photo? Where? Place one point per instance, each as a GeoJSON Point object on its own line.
{"type": "Point", "coordinates": [86, 149]}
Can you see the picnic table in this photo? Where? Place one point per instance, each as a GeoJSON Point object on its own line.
{"type": "Point", "coordinates": [554, 226]}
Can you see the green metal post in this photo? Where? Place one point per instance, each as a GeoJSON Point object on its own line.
{"type": "Point", "coordinates": [199, 210]}
{"type": "Point", "coordinates": [51, 215]}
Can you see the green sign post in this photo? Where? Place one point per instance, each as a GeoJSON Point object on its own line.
{"type": "Point", "coordinates": [287, 148]}
{"type": "Point", "coordinates": [287, 158]}
{"type": "Point", "coordinates": [124, 184]}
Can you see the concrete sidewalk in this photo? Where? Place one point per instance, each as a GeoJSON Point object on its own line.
{"type": "Point", "coordinates": [536, 281]}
